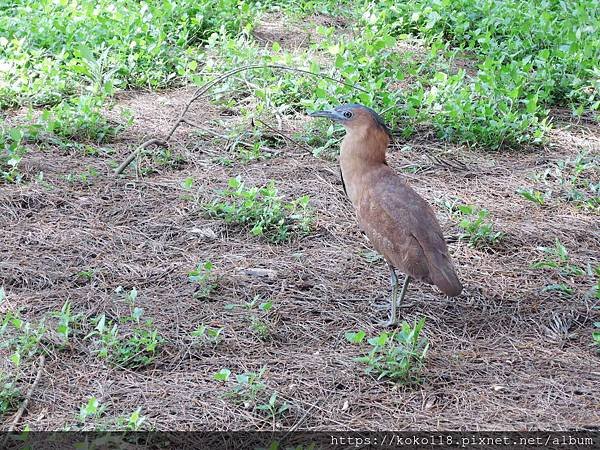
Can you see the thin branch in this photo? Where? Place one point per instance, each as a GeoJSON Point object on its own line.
{"type": "Point", "coordinates": [25, 403]}
{"type": "Point", "coordinates": [286, 137]}
{"type": "Point", "coordinates": [199, 93]}
{"type": "Point", "coordinates": [134, 154]}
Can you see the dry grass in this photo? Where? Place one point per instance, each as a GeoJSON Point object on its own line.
{"type": "Point", "coordinates": [495, 362]}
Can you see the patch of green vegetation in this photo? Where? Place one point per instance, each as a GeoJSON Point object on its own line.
{"type": "Point", "coordinates": [204, 279]}
{"type": "Point", "coordinates": [204, 334]}
{"type": "Point", "coordinates": [260, 318]}
{"type": "Point", "coordinates": [48, 47]}
{"type": "Point", "coordinates": [132, 422]}
{"type": "Point", "coordinates": [136, 349]}
{"type": "Point", "coordinates": [10, 395]}
{"type": "Point", "coordinates": [93, 417]}
{"type": "Point", "coordinates": [249, 390]}
{"type": "Point", "coordinates": [21, 338]}
{"type": "Point", "coordinates": [551, 47]}
{"type": "Point", "coordinates": [535, 196]}
{"type": "Point", "coordinates": [557, 259]}
{"type": "Point", "coordinates": [477, 227]}
{"type": "Point", "coordinates": [92, 410]}
{"type": "Point", "coordinates": [398, 356]}
{"type": "Point", "coordinates": [574, 180]}
{"type": "Point", "coordinates": [262, 210]}
{"type": "Point", "coordinates": [12, 151]}
{"type": "Point", "coordinates": [68, 323]}
{"type": "Point", "coordinates": [85, 178]}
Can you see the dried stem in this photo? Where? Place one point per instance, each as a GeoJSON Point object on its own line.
{"type": "Point", "coordinates": [203, 90]}
{"type": "Point", "coordinates": [25, 403]}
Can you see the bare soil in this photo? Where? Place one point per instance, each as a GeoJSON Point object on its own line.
{"type": "Point", "coordinates": [505, 355]}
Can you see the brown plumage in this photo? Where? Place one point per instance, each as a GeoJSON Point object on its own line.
{"type": "Point", "coordinates": [399, 223]}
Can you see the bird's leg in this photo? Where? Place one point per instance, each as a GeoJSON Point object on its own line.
{"type": "Point", "coordinates": [403, 291]}
{"type": "Point", "coordinates": [394, 279]}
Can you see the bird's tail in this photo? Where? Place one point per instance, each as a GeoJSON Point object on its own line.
{"type": "Point", "coordinates": [443, 275]}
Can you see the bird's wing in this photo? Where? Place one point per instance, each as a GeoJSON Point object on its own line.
{"type": "Point", "coordinates": [406, 222]}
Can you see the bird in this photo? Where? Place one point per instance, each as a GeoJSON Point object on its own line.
{"type": "Point", "coordinates": [399, 223]}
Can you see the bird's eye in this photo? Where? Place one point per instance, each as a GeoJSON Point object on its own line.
{"type": "Point", "coordinates": [347, 114]}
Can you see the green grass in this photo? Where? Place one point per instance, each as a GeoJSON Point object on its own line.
{"type": "Point", "coordinates": [49, 47]}
{"type": "Point", "coordinates": [398, 356]}
{"type": "Point", "coordinates": [555, 43]}
{"type": "Point", "coordinates": [262, 211]}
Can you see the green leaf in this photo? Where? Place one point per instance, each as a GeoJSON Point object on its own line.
{"type": "Point", "coordinates": [355, 338]}
{"type": "Point", "coordinates": [222, 375]}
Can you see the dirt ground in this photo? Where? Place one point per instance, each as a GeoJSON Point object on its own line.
{"type": "Point", "coordinates": [504, 355]}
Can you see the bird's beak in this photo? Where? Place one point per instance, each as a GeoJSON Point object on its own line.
{"type": "Point", "coordinates": [329, 114]}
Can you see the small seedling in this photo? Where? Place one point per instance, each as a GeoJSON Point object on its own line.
{"type": "Point", "coordinates": [11, 153]}
{"type": "Point", "coordinates": [398, 356]}
{"type": "Point", "coordinates": [87, 274]}
{"type": "Point", "coordinates": [222, 375]}
{"type": "Point", "coordinates": [66, 322]}
{"type": "Point", "coordinates": [478, 230]}
{"type": "Point", "coordinates": [273, 407]}
{"type": "Point", "coordinates": [90, 410]}
{"type": "Point", "coordinates": [204, 279]}
{"type": "Point", "coordinates": [204, 334]}
{"type": "Point", "coordinates": [596, 334]}
{"type": "Point", "coordinates": [247, 388]}
{"type": "Point", "coordinates": [23, 338]}
{"type": "Point", "coordinates": [134, 422]}
{"type": "Point", "coordinates": [535, 196]}
{"type": "Point", "coordinates": [558, 259]}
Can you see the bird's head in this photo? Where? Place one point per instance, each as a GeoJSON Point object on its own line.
{"type": "Point", "coordinates": [354, 116]}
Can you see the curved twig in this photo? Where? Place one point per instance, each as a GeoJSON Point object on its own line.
{"type": "Point", "coordinates": [25, 403]}
{"type": "Point", "coordinates": [204, 89]}
{"type": "Point", "coordinates": [133, 154]}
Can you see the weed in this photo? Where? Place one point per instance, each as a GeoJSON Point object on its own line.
{"type": "Point", "coordinates": [570, 180]}
{"type": "Point", "coordinates": [558, 259]}
{"type": "Point", "coordinates": [134, 422]}
{"type": "Point", "coordinates": [91, 410]}
{"type": "Point", "coordinates": [10, 395]}
{"type": "Point", "coordinates": [204, 279]}
{"type": "Point", "coordinates": [535, 196]}
{"type": "Point", "coordinates": [596, 335]}
{"type": "Point", "coordinates": [478, 230]}
{"type": "Point", "coordinates": [67, 322]}
{"type": "Point", "coordinates": [260, 320]}
{"type": "Point", "coordinates": [263, 210]}
{"type": "Point", "coordinates": [84, 177]}
{"type": "Point", "coordinates": [136, 350]}
{"type": "Point", "coordinates": [87, 274]}
{"type": "Point", "coordinates": [248, 387]}
{"type": "Point", "coordinates": [398, 356]}
{"type": "Point", "coordinates": [222, 375]}
{"type": "Point", "coordinates": [273, 407]}
{"type": "Point", "coordinates": [203, 334]}
{"type": "Point", "coordinates": [79, 118]}
{"type": "Point", "coordinates": [11, 154]}
{"type": "Point", "coordinates": [23, 338]}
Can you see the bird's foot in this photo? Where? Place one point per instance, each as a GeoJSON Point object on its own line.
{"type": "Point", "coordinates": [386, 306]}
{"type": "Point", "coordinates": [391, 322]}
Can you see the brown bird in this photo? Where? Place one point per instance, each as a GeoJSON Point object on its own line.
{"type": "Point", "coordinates": [399, 222]}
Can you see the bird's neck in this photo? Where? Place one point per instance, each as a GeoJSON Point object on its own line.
{"type": "Point", "coordinates": [365, 145]}
{"type": "Point", "coordinates": [362, 150]}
